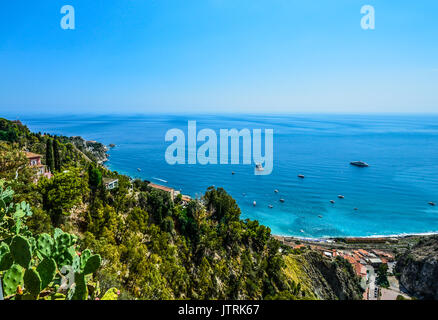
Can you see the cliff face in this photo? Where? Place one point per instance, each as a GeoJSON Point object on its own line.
{"type": "Point", "coordinates": [418, 269]}
{"type": "Point", "coordinates": [96, 151]}
{"type": "Point", "coordinates": [328, 279]}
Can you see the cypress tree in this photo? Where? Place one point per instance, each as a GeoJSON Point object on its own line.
{"type": "Point", "coordinates": [57, 159]}
{"type": "Point", "coordinates": [94, 178]}
{"type": "Point", "coordinates": [50, 161]}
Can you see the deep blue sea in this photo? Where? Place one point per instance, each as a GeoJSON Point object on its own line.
{"type": "Point", "coordinates": [391, 195]}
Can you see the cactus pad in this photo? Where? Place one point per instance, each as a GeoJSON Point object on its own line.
{"type": "Point", "coordinates": [32, 281]}
{"type": "Point", "coordinates": [45, 244]}
{"type": "Point", "coordinates": [47, 270]}
{"type": "Point", "coordinates": [80, 287]}
{"type": "Point", "coordinates": [111, 294]}
{"type": "Point", "coordinates": [12, 279]}
{"type": "Point", "coordinates": [6, 261]}
{"type": "Point", "coordinates": [92, 264]}
{"type": "Point", "coordinates": [86, 254]}
{"type": "Point", "coordinates": [21, 251]}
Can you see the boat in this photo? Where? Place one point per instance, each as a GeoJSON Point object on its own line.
{"type": "Point", "coordinates": [281, 200]}
{"type": "Point", "coordinates": [233, 173]}
{"type": "Point", "coordinates": [254, 203]}
{"type": "Point", "coordinates": [112, 145]}
{"type": "Point", "coordinates": [332, 201]}
{"type": "Point", "coordinates": [302, 231]}
{"type": "Point", "coordinates": [359, 164]}
{"type": "Point", "coordinates": [341, 196]}
{"type": "Point", "coordinates": [270, 206]}
{"type": "Point", "coordinates": [276, 191]}
{"type": "Point", "coordinates": [432, 203]}
{"type": "Point", "coordinates": [138, 169]}
{"type": "Point", "coordinates": [259, 167]}
{"type": "Point", "coordinates": [320, 216]}
{"type": "Point", "coordinates": [301, 176]}
{"type": "Point", "coordinates": [355, 209]}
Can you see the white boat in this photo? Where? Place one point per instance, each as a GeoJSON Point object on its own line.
{"type": "Point", "coordinates": [259, 167]}
{"type": "Point", "coordinates": [254, 203]}
{"type": "Point", "coordinates": [341, 196]}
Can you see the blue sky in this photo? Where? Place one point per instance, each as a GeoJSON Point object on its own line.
{"type": "Point", "coordinates": [218, 56]}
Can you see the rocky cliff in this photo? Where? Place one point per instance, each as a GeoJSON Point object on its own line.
{"type": "Point", "coordinates": [327, 278]}
{"type": "Point", "coordinates": [418, 269]}
{"type": "Point", "coordinates": [96, 151]}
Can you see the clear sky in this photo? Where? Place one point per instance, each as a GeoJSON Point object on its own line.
{"type": "Point", "coordinates": [218, 56]}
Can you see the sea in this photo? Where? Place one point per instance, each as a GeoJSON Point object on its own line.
{"type": "Point", "coordinates": [390, 197]}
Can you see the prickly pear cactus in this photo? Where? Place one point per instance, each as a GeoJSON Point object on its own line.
{"type": "Point", "coordinates": [92, 264]}
{"type": "Point", "coordinates": [13, 280]}
{"type": "Point", "coordinates": [32, 281]}
{"type": "Point", "coordinates": [80, 291]}
{"type": "Point", "coordinates": [21, 251]}
{"type": "Point", "coordinates": [30, 266]}
{"type": "Point", "coordinates": [47, 271]}
{"type": "Point", "coordinates": [111, 294]}
{"type": "Point", "coordinates": [45, 244]}
{"type": "Point", "coordinates": [6, 260]}
{"type": "Point", "coordinates": [86, 254]}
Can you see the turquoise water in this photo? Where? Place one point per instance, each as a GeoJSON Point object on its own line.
{"type": "Point", "coordinates": [391, 195]}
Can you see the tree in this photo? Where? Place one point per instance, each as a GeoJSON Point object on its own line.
{"type": "Point", "coordinates": [62, 192]}
{"type": "Point", "coordinates": [12, 161]}
{"type": "Point", "coordinates": [221, 205]}
{"type": "Point", "coordinates": [382, 276]}
{"type": "Point", "coordinates": [50, 161]}
{"type": "Point", "coordinates": [94, 178]}
{"type": "Point", "coordinates": [57, 159]}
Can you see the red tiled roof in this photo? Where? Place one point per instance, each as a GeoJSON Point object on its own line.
{"type": "Point", "coordinates": [31, 155]}
{"type": "Point", "coordinates": [159, 187]}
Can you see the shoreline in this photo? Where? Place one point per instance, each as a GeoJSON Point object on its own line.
{"type": "Point", "coordinates": [373, 237]}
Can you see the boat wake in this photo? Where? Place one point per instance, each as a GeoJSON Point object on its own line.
{"type": "Point", "coordinates": [160, 180]}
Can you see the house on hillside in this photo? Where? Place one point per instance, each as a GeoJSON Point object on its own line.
{"type": "Point", "coordinates": [185, 200]}
{"type": "Point", "coordinates": [110, 183]}
{"type": "Point", "coordinates": [35, 162]}
{"type": "Point", "coordinates": [171, 191]}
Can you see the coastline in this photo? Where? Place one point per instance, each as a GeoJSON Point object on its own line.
{"type": "Point", "coordinates": [394, 236]}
